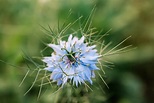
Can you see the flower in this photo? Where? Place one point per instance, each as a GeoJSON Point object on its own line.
{"type": "Point", "coordinates": [72, 61]}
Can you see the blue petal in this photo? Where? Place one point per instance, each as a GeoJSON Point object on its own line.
{"type": "Point", "coordinates": [81, 40]}
{"type": "Point", "coordinates": [88, 61]}
{"type": "Point", "coordinates": [70, 38]}
{"type": "Point", "coordinates": [47, 59]}
{"type": "Point", "coordinates": [68, 46]}
{"type": "Point", "coordinates": [77, 80]}
{"type": "Point", "coordinates": [57, 49]}
{"type": "Point", "coordinates": [49, 68]}
{"type": "Point", "coordinates": [92, 74]}
{"type": "Point", "coordinates": [65, 78]}
{"type": "Point", "coordinates": [93, 67]}
{"type": "Point", "coordinates": [75, 39]}
{"type": "Point", "coordinates": [62, 43]}
{"type": "Point", "coordinates": [92, 47]}
{"type": "Point", "coordinates": [57, 76]}
{"type": "Point", "coordinates": [59, 82]}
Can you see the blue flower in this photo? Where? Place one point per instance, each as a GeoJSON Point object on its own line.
{"type": "Point", "coordinates": [72, 61]}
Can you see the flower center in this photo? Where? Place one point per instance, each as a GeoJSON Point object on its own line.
{"type": "Point", "coordinates": [71, 57]}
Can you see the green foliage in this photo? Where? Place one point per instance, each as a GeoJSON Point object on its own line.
{"type": "Point", "coordinates": [130, 81]}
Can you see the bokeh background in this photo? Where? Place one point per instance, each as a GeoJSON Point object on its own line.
{"type": "Point", "coordinates": [130, 81]}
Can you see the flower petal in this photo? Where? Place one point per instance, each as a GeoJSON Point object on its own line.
{"type": "Point", "coordinates": [93, 67]}
{"type": "Point", "coordinates": [57, 49]}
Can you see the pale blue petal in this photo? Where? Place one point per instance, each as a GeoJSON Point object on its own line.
{"type": "Point", "coordinates": [92, 74]}
{"type": "Point", "coordinates": [62, 43]}
{"type": "Point", "coordinates": [68, 46]}
{"type": "Point", "coordinates": [81, 40]}
{"type": "Point", "coordinates": [93, 67]}
{"type": "Point", "coordinates": [86, 61]}
{"type": "Point", "coordinates": [70, 38]}
{"type": "Point", "coordinates": [92, 47]}
{"type": "Point", "coordinates": [65, 78]}
{"type": "Point", "coordinates": [49, 69]}
{"type": "Point", "coordinates": [57, 49]}
{"type": "Point", "coordinates": [75, 39]}
{"type": "Point", "coordinates": [59, 82]}
{"type": "Point", "coordinates": [56, 76]}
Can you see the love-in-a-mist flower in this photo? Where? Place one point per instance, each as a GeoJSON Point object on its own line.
{"type": "Point", "coordinates": [72, 61]}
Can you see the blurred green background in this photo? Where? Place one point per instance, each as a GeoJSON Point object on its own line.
{"type": "Point", "coordinates": [131, 80]}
